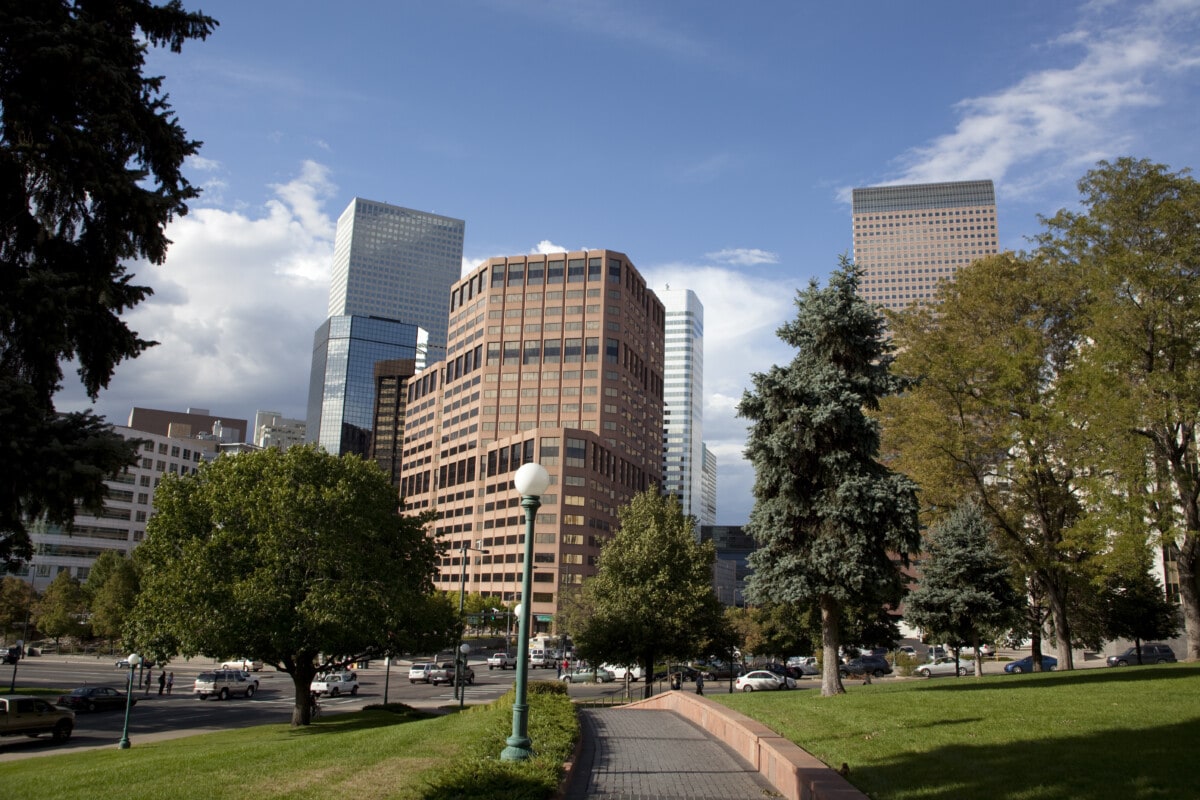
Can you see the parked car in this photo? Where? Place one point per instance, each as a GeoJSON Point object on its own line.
{"type": "Point", "coordinates": [1152, 653]}
{"type": "Point", "coordinates": [244, 664]}
{"type": "Point", "coordinates": [906, 650]}
{"type": "Point", "coordinates": [12, 655]}
{"type": "Point", "coordinates": [93, 698]}
{"type": "Point", "coordinates": [685, 672]}
{"type": "Point", "coordinates": [761, 680]}
{"type": "Point", "coordinates": [947, 665]}
{"type": "Point", "coordinates": [1049, 663]}
{"type": "Point", "coordinates": [721, 671]}
{"type": "Point", "coordinates": [419, 672]}
{"type": "Point", "coordinates": [588, 675]}
{"type": "Point", "coordinates": [223, 684]}
{"type": "Point", "coordinates": [619, 672]}
{"type": "Point", "coordinates": [31, 716]}
{"type": "Point", "coordinates": [936, 652]}
{"type": "Point", "coordinates": [866, 665]}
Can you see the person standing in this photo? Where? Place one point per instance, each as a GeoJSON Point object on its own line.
{"type": "Point", "coordinates": [170, 682]}
{"type": "Point", "coordinates": [162, 682]}
{"type": "Point", "coordinates": [700, 683]}
{"type": "Point", "coordinates": [149, 676]}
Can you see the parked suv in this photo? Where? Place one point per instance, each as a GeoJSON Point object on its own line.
{"type": "Point", "coordinates": [420, 672]}
{"type": "Point", "coordinates": [1151, 654]}
{"type": "Point", "coordinates": [864, 665]}
{"type": "Point", "coordinates": [224, 683]}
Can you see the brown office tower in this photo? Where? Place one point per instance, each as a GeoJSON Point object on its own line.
{"type": "Point", "coordinates": [910, 238]}
{"type": "Point", "coordinates": [550, 358]}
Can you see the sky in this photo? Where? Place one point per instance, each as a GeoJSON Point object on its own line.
{"type": "Point", "coordinates": [714, 143]}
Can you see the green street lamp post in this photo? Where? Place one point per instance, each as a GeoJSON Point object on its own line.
{"type": "Point", "coordinates": [463, 649]}
{"type": "Point", "coordinates": [531, 481]}
{"type": "Point", "coordinates": [134, 660]}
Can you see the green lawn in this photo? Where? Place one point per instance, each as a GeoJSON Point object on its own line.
{"type": "Point", "coordinates": [369, 754]}
{"type": "Point", "coordinates": [1127, 733]}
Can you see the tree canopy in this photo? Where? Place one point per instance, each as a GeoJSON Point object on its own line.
{"type": "Point", "coordinates": [828, 516]}
{"type": "Point", "coordinates": [290, 557]}
{"type": "Point", "coordinates": [990, 418]}
{"type": "Point", "coordinates": [652, 595]}
{"type": "Point", "coordinates": [90, 174]}
{"type": "Point", "coordinates": [1136, 246]}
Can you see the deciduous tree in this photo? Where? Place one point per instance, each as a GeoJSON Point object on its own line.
{"type": "Point", "coordinates": [829, 518]}
{"type": "Point", "coordinates": [652, 595]}
{"type": "Point", "coordinates": [90, 174]}
{"type": "Point", "coordinates": [112, 587]}
{"type": "Point", "coordinates": [286, 556]}
{"type": "Point", "coordinates": [60, 610]}
{"type": "Point", "coordinates": [1136, 245]}
{"type": "Point", "coordinates": [989, 418]}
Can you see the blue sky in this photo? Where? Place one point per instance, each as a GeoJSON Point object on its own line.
{"type": "Point", "coordinates": [715, 143]}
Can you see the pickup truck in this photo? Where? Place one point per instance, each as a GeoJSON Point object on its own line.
{"type": "Point", "coordinates": [444, 673]}
{"type": "Point", "coordinates": [30, 716]}
{"type": "Point", "coordinates": [501, 661]}
{"type": "Point", "coordinates": [335, 684]}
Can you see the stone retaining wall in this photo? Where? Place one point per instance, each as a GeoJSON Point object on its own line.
{"type": "Point", "coordinates": [796, 774]}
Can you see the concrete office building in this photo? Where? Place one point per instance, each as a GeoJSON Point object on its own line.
{"type": "Point", "coordinates": [272, 429]}
{"type": "Point", "coordinates": [551, 358]}
{"type": "Point", "coordinates": [910, 238]}
{"type": "Point", "coordinates": [392, 272]}
{"type": "Point", "coordinates": [169, 446]}
{"type": "Point", "coordinates": [683, 399]}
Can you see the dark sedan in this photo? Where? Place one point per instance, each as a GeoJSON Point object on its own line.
{"type": "Point", "coordinates": [1049, 664]}
{"type": "Point", "coordinates": [93, 698]}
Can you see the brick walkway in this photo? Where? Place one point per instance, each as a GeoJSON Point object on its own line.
{"type": "Point", "coordinates": [631, 754]}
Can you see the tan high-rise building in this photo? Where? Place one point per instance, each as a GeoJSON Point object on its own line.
{"type": "Point", "coordinates": [910, 238]}
{"type": "Point", "coordinates": [551, 358]}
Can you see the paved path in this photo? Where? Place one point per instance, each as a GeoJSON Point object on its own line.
{"type": "Point", "coordinates": [632, 754]}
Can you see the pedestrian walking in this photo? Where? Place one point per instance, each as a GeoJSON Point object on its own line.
{"type": "Point", "coordinates": [700, 683]}
{"type": "Point", "coordinates": [149, 676]}
{"type": "Point", "coordinates": [162, 683]}
{"type": "Point", "coordinates": [170, 682]}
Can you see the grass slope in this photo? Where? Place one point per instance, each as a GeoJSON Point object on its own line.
{"type": "Point", "coordinates": [1129, 733]}
{"type": "Point", "coordinates": [369, 754]}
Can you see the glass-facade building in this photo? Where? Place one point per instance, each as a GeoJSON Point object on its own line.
{"type": "Point", "coordinates": [910, 238]}
{"type": "Point", "coordinates": [396, 263]}
{"type": "Point", "coordinates": [341, 391]}
{"type": "Point", "coordinates": [392, 272]}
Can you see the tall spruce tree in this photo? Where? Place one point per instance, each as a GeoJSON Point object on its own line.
{"type": "Point", "coordinates": [965, 587]}
{"type": "Point", "coordinates": [90, 174]}
{"type": "Point", "coordinates": [828, 517]}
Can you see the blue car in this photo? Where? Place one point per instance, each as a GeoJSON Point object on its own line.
{"type": "Point", "coordinates": [1025, 664]}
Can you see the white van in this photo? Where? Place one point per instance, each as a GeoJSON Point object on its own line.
{"type": "Point", "coordinates": [539, 657]}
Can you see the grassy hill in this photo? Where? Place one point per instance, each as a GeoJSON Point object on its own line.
{"type": "Point", "coordinates": [1128, 733]}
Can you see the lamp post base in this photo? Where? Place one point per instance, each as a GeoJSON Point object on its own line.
{"type": "Point", "coordinates": [519, 749]}
{"type": "Point", "coordinates": [123, 744]}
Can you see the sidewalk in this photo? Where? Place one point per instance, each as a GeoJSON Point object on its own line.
{"type": "Point", "coordinates": [657, 755]}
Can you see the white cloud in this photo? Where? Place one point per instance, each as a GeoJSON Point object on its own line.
{"type": "Point", "coordinates": [1054, 123]}
{"type": "Point", "coordinates": [744, 256]}
{"type": "Point", "coordinates": [545, 247]}
{"type": "Point", "coordinates": [202, 164]}
{"type": "Point", "coordinates": [234, 310]}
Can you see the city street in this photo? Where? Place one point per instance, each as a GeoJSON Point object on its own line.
{"type": "Point", "coordinates": [180, 714]}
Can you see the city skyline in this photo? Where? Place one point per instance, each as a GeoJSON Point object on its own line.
{"type": "Point", "coordinates": [718, 147]}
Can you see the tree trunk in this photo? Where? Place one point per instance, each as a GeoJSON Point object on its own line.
{"type": "Point", "coordinates": [302, 678]}
{"type": "Point", "coordinates": [1056, 595]}
{"type": "Point", "coordinates": [648, 676]}
{"type": "Point", "coordinates": [1189, 592]}
{"type": "Point", "coordinates": [978, 657]}
{"type": "Point", "coordinates": [831, 679]}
